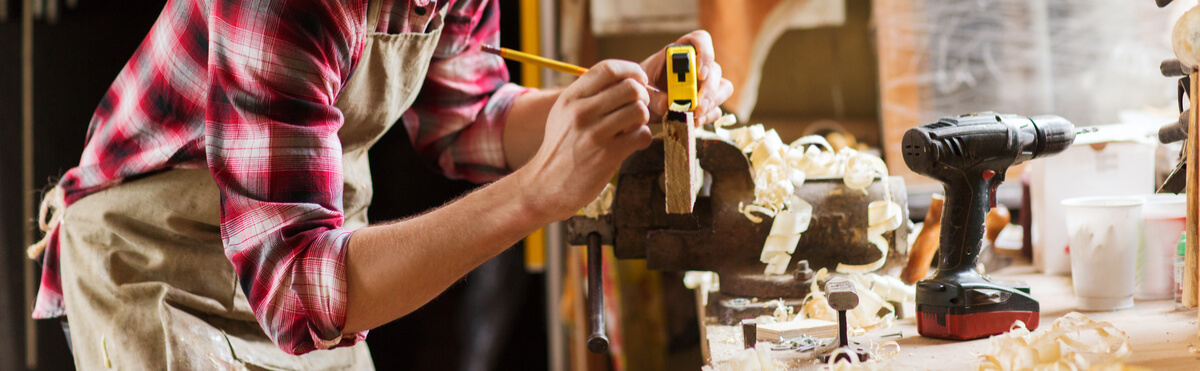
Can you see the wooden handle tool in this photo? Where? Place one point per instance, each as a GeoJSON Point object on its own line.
{"type": "Point", "coordinates": [921, 252]}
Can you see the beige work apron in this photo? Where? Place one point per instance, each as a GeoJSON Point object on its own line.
{"type": "Point", "coordinates": [146, 283]}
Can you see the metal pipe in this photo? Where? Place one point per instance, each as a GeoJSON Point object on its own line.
{"type": "Point", "coordinates": [598, 341]}
{"type": "Point", "coordinates": [554, 277]}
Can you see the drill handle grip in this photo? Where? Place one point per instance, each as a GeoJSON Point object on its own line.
{"type": "Point", "coordinates": [964, 214]}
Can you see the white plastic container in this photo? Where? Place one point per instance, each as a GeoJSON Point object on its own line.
{"type": "Point", "coordinates": [1164, 220]}
{"type": "Point", "coordinates": [1105, 233]}
{"type": "Point", "coordinates": [1108, 169]}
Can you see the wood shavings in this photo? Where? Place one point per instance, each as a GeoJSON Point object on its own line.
{"type": "Point", "coordinates": [1073, 342]}
{"type": "Point", "coordinates": [887, 287]}
{"type": "Point", "coordinates": [778, 170]}
{"type": "Point", "coordinates": [757, 359]}
{"type": "Point", "coordinates": [886, 350]}
{"type": "Point", "coordinates": [602, 205]}
{"type": "Point", "coordinates": [882, 216]}
{"type": "Point", "coordinates": [866, 316]}
{"type": "Point", "coordinates": [676, 107]}
{"type": "Point", "coordinates": [785, 235]}
{"type": "Point", "coordinates": [783, 312]}
{"type": "Point", "coordinates": [851, 362]}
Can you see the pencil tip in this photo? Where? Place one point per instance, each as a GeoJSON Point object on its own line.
{"type": "Point", "coordinates": [489, 49]}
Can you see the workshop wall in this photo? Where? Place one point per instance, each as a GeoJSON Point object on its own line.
{"type": "Point", "coordinates": [12, 298]}
{"type": "Point", "coordinates": [75, 60]}
{"type": "Point", "coordinates": [813, 79]}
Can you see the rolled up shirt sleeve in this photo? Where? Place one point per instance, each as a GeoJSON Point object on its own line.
{"type": "Point", "coordinates": [271, 136]}
{"type": "Point", "coordinates": [457, 121]}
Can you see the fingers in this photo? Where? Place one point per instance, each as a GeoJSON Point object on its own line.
{"type": "Point", "coordinates": [707, 94]}
{"type": "Point", "coordinates": [616, 96]}
{"type": "Point", "coordinates": [627, 118]}
{"type": "Point", "coordinates": [659, 104]}
{"type": "Point", "coordinates": [711, 111]}
{"type": "Point", "coordinates": [705, 56]}
{"type": "Point", "coordinates": [605, 74]}
{"type": "Point", "coordinates": [714, 89]}
{"type": "Point", "coordinates": [633, 140]}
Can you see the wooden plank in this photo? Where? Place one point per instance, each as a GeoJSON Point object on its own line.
{"type": "Point", "coordinates": [1190, 272]}
{"type": "Point", "coordinates": [1193, 243]}
{"type": "Point", "coordinates": [793, 329]}
{"type": "Point", "coordinates": [681, 169]}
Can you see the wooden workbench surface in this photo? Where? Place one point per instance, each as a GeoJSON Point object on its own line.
{"type": "Point", "coordinates": [1160, 336]}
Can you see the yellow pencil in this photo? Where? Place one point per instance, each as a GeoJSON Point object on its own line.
{"type": "Point", "coordinates": [544, 62]}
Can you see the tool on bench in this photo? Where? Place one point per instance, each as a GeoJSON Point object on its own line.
{"type": "Point", "coordinates": [842, 297]}
{"type": "Point", "coordinates": [970, 154]}
{"type": "Point", "coordinates": [717, 237]}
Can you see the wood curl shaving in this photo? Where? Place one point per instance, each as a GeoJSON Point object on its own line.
{"type": "Point", "coordinates": [1073, 342]}
{"type": "Point", "coordinates": [866, 316]}
{"type": "Point", "coordinates": [852, 363]}
{"type": "Point", "coordinates": [602, 205]}
{"type": "Point", "coordinates": [778, 170]}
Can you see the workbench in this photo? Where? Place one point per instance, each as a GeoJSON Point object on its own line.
{"type": "Point", "coordinates": [1161, 337]}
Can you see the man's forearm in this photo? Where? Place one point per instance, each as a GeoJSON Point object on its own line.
{"type": "Point", "coordinates": [526, 125]}
{"type": "Point", "coordinates": [393, 269]}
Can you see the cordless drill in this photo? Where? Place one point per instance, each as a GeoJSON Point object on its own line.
{"type": "Point", "coordinates": [969, 154]}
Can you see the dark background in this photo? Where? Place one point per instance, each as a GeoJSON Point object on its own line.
{"type": "Point", "coordinates": [75, 60]}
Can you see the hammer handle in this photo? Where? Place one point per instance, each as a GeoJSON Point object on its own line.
{"type": "Point", "coordinates": [921, 253]}
{"type": "Point", "coordinates": [598, 341]}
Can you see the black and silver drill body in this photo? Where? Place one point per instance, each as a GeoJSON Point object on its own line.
{"type": "Point", "coordinates": [970, 154]}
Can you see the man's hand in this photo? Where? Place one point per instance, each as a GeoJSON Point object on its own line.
{"type": "Point", "coordinates": [596, 123]}
{"type": "Point", "coordinates": [714, 89]}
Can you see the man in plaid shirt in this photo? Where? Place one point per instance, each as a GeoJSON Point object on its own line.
{"type": "Point", "coordinates": [253, 95]}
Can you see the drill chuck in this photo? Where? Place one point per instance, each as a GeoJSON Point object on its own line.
{"type": "Point", "coordinates": [1055, 133]}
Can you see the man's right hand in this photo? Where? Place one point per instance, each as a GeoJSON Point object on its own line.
{"type": "Point", "coordinates": [596, 123]}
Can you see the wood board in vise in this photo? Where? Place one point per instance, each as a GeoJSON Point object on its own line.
{"type": "Point", "coordinates": [682, 174]}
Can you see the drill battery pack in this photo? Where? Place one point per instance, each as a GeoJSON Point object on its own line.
{"type": "Point", "coordinates": [972, 311]}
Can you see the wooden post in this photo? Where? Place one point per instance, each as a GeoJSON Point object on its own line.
{"type": "Point", "coordinates": [681, 169]}
{"type": "Point", "coordinates": [1193, 242]}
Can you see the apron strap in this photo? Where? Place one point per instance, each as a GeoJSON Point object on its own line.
{"type": "Point", "coordinates": [53, 204]}
{"type": "Point", "coordinates": [374, 8]}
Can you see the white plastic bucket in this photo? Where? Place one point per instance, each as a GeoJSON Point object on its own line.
{"type": "Point", "coordinates": [1104, 235]}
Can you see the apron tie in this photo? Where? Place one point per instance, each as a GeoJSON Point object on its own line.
{"type": "Point", "coordinates": [52, 204]}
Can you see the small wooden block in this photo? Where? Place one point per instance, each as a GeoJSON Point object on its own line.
{"type": "Point", "coordinates": [792, 329]}
{"type": "Point", "coordinates": [681, 169]}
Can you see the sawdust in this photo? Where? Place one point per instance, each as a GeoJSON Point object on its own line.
{"type": "Point", "coordinates": [1073, 342]}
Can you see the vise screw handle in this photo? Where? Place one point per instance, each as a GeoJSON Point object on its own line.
{"type": "Point", "coordinates": [598, 341]}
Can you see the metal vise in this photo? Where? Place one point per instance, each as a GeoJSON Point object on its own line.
{"type": "Point", "coordinates": [716, 237]}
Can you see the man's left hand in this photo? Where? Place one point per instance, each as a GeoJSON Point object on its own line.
{"type": "Point", "coordinates": [713, 89]}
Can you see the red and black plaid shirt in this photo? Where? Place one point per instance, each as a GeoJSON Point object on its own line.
{"type": "Point", "coordinates": [232, 85]}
